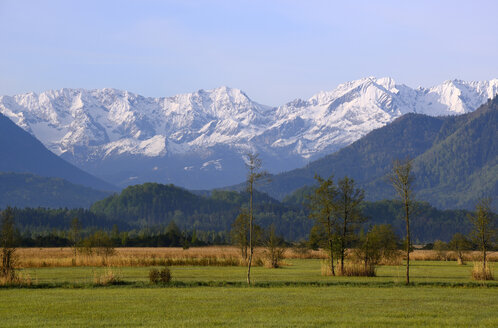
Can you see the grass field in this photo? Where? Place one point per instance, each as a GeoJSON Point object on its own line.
{"type": "Point", "coordinates": [296, 295]}
{"type": "Point", "coordinates": [249, 307]}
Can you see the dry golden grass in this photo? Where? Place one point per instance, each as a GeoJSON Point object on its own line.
{"type": "Point", "coordinates": [431, 255]}
{"type": "Point", "coordinates": [480, 273]}
{"type": "Point", "coordinates": [64, 257]}
{"type": "Point", "coordinates": [108, 277]}
{"type": "Point", "coordinates": [149, 256]}
{"type": "Point", "coordinates": [203, 256]}
{"type": "Point", "coordinates": [17, 279]}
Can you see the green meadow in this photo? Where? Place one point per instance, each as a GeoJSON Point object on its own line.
{"type": "Point", "coordinates": [296, 295]}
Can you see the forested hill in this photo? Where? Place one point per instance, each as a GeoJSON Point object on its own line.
{"type": "Point", "coordinates": [153, 205]}
{"type": "Point", "coordinates": [455, 159]}
{"type": "Point", "coordinates": [29, 190]}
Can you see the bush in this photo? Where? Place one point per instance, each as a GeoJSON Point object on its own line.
{"type": "Point", "coordinates": [109, 277]}
{"type": "Point", "coordinates": [16, 279]}
{"type": "Point", "coordinates": [163, 276]}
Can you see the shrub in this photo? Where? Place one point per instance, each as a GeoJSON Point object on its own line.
{"type": "Point", "coordinates": [16, 279]}
{"type": "Point", "coordinates": [162, 276]}
{"type": "Point", "coordinates": [109, 277]}
{"type": "Point", "coordinates": [480, 273]}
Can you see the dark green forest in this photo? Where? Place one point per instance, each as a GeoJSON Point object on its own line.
{"type": "Point", "coordinates": [150, 208]}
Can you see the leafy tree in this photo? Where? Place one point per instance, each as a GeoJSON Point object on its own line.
{"type": "Point", "coordinates": [441, 249]}
{"type": "Point", "coordinates": [459, 243]}
{"type": "Point", "coordinates": [380, 243]}
{"type": "Point", "coordinates": [484, 228]}
{"type": "Point", "coordinates": [402, 180]}
{"type": "Point", "coordinates": [322, 210]}
{"type": "Point", "coordinates": [274, 247]}
{"type": "Point", "coordinates": [347, 205]}
{"type": "Point", "coordinates": [239, 233]}
{"type": "Point", "coordinates": [8, 236]}
{"type": "Point", "coordinates": [254, 175]}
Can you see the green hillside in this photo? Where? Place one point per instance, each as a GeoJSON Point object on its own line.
{"type": "Point", "coordinates": [455, 159]}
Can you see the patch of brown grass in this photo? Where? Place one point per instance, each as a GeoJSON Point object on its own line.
{"type": "Point", "coordinates": [17, 279]}
{"type": "Point", "coordinates": [106, 278]}
{"type": "Point", "coordinates": [480, 273]}
{"type": "Point", "coordinates": [199, 256]}
{"type": "Point", "coordinates": [431, 255]}
{"type": "Point", "coordinates": [136, 256]}
{"type": "Point", "coordinates": [356, 269]}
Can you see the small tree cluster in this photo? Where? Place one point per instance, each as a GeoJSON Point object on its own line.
{"type": "Point", "coordinates": [379, 244]}
{"type": "Point", "coordinates": [274, 247]}
{"type": "Point", "coordinates": [98, 243]}
{"type": "Point", "coordinates": [336, 211]}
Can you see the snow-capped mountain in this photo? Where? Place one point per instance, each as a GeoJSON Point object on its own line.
{"type": "Point", "coordinates": [197, 140]}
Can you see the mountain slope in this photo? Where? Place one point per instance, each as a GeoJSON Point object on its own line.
{"type": "Point", "coordinates": [197, 140]}
{"type": "Point", "coordinates": [27, 190]}
{"type": "Point", "coordinates": [455, 159]}
{"type": "Point", "coordinates": [21, 152]}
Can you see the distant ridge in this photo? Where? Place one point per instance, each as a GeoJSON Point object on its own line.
{"type": "Point", "coordinates": [28, 190]}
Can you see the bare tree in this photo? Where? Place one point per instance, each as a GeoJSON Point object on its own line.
{"type": "Point", "coordinates": [402, 180]}
{"type": "Point", "coordinates": [322, 210]}
{"type": "Point", "coordinates": [348, 201]}
{"type": "Point", "coordinates": [254, 174]}
{"type": "Point", "coordinates": [484, 228]}
{"type": "Point", "coordinates": [75, 235]}
{"type": "Point", "coordinates": [8, 244]}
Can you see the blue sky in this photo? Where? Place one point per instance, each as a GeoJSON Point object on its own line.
{"type": "Point", "coordinates": [273, 50]}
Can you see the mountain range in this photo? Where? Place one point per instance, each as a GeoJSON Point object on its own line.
{"type": "Point", "coordinates": [198, 140]}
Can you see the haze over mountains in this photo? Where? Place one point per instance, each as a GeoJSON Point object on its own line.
{"type": "Point", "coordinates": [197, 140]}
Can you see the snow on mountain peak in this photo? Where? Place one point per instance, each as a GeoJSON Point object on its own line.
{"type": "Point", "coordinates": [88, 126]}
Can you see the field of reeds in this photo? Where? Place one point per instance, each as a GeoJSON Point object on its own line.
{"type": "Point", "coordinates": [198, 256]}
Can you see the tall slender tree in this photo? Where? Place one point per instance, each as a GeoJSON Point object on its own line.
{"type": "Point", "coordinates": [254, 174]}
{"type": "Point", "coordinates": [348, 201]}
{"type": "Point", "coordinates": [75, 235]}
{"type": "Point", "coordinates": [322, 210]}
{"type": "Point", "coordinates": [402, 180]}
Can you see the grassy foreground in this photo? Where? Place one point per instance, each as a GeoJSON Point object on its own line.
{"type": "Point", "coordinates": [249, 307]}
{"type": "Point", "coordinates": [443, 295]}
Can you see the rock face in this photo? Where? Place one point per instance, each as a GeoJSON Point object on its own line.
{"type": "Point", "coordinates": [197, 140]}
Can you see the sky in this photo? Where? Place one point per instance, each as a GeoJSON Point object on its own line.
{"type": "Point", "coordinates": [275, 51]}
